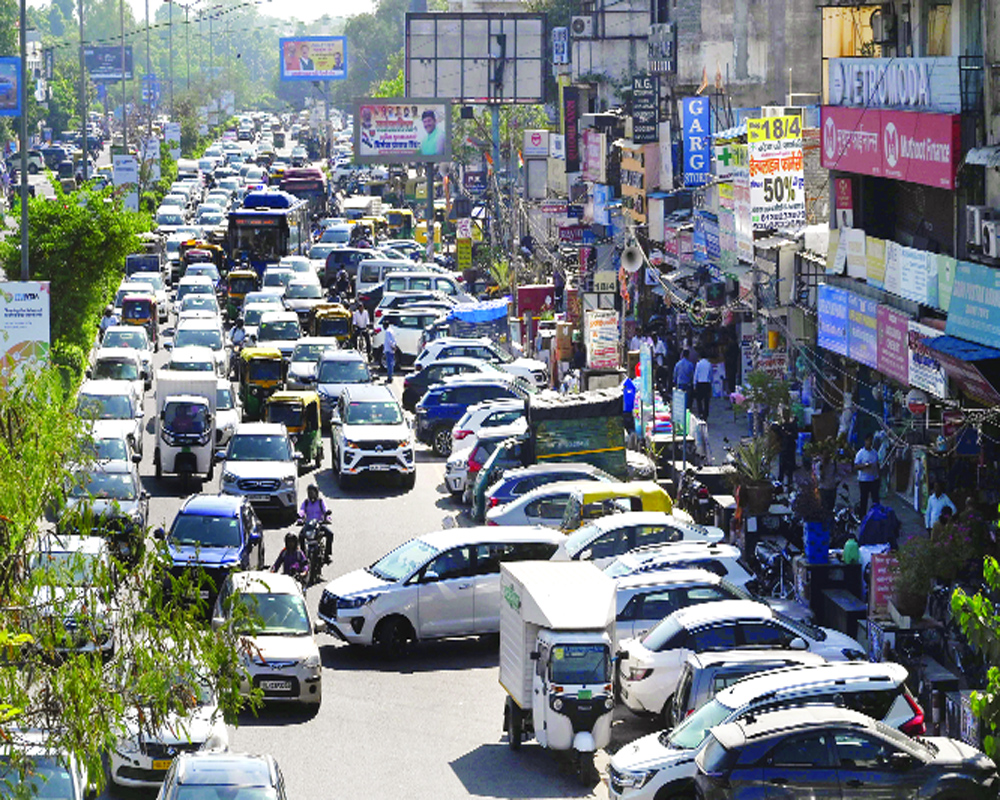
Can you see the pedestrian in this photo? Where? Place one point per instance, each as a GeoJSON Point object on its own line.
{"type": "Point", "coordinates": [866, 465]}
{"type": "Point", "coordinates": [628, 405]}
{"type": "Point", "coordinates": [788, 433]}
{"type": "Point", "coordinates": [684, 376]}
{"type": "Point", "coordinates": [703, 386]}
{"type": "Point", "coordinates": [659, 363]}
{"type": "Point", "coordinates": [936, 504]}
{"type": "Point", "coordinates": [389, 351]}
{"type": "Point", "coordinates": [732, 359]}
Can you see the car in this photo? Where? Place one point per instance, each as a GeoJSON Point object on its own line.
{"type": "Point", "coordinates": [283, 660]}
{"type": "Point", "coordinates": [192, 284]}
{"type": "Point", "coordinates": [653, 664]}
{"type": "Point", "coordinates": [235, 776]}
{"type": "Point", "coordinates": [603, 539]}
{"type": "Point", "coordinates": [279, 329]}
{"type": "Point", "coordinates": [441, 584]}
{"type": "Point", "coordinates": [488, 417]}
{"type": "Point", "coordinates": [531, 369]}
{"type": "Point", "coordinates": [302, 295]}
{"type": "Point", "coordinates": [108, 499]}
{"type": "Point", "coordinates": [48, 772]}
{"type": "Point", "coordinates": [127, 288]}
{"type": "Point", "coordinates": [305, 358]}
{"type": "Point", "coordinates": [407, 325]}
{"type": "Point", "coordinates": [155, 280]}
{"type": "Point", "coordinates": [814, 751]}
{"type": "Point", "coordinates": [113, 406]}
{"type": "Point", "coordinates": [298, 264]}
{"type": "Point", "coordinates": [467, 459]}
{"type": "Point", "coordinates": [514, 483]}
{"type": "Point", "coordinates": [251, 314]}
{"type": "Point", "coordinates": [545, 505]}
{"type": "Point", "coordinates": [121, 364]}
{"type": "Point", "coordinates": [317, 258]}
{"type": "Point", "coordinates": [369, 433]}
{"type": "Point", "coordinates": [207, 303]}
{"type": "Point", "coordinates": [271, 297]}
{"type": "Point", "coordinates": [215, 534]}
{"type": "Point", "coordinates": [725, 560]}
{"type": "Point", "coordinates": [36, 161]}
{"type": "Point", "coordinates": [141, 757]}
{"type": "Point", "coordinates": [262, 465]}
{"type": "Point", "coordinates": [399, 300]}
{"type": "Point", "coordinates": [336, 371]}
{"type": "Point", "coordinates": [417, 383]}
{"type": "Point", "coordinates": [204, 333]}
{"type": "Point", "coordinates": [228, 413]}
{"type": "Point", "coordinates": [108, 448]}
{"type": "Point", "coordinates": [204, 269]}
{"type": "Point", "coordinates": [339, 234]}
{"type": "Point", "coordinates": [443, 405]}
{"type": "Point", "coordinates": [277, 278]}
{"type": "Point", "coordinates": [193, 359]}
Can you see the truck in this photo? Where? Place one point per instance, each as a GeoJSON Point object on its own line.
{"type": "Point", "coordinates": [358, 206]}
{"type": "Point", "coordinates": [185, 424]}
{"type": "Point", "coordinates": [557, 651]}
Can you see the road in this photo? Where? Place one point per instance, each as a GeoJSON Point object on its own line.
{"type": "Point", "coordinates": [429, 726]}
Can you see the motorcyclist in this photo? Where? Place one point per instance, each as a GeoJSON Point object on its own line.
{"type": "Point", "coordinates": [343, 283]}
{"type": "Point", "coordinates": [237, 338]}
{"type": "Point", "coordinates": [291, 560]}
{"type": "Point", "coordinates": [109, 319]}
{"type": "Point", "coordinates": [314, 507]}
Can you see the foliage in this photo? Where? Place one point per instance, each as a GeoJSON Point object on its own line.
{"type": "Point", "coordinates": [764, 390]}
{"type": "Point", "coordinates": [914, 568]}
{"type": "Point", "coordinates": [752, 461]}
{"type": "Point", "coordinates": [392, 87]}
{"type": "Point", "coordinates": [807, 504]}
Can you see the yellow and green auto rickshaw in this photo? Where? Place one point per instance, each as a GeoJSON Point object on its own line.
{"type": "Point", "coordinates": [299, 413]}
{"type": "Point", "coordinates": [591, 502]}
{"type": "Point", "coordinates": [333, 319]}
{"type": "Point", "coordinates": [262, 372]}
{"type": "Point", "coordinates": [140, 309]}
{"type": "Point", "coordinates": [200, 251]}
{"type": "Point", "coordinates": [239, 283]}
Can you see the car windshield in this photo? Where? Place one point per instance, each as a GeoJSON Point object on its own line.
{"type": "Point", "coordinates": [344, 372]}
{"type": "Point", "coordinates": [402, 561]}
{"type": "Point", "coordinates": [265, 370]}
{"type": "Point", "coordinates": [211, 218]}
{"type": "Point", "coordinates": [280, 614]}
{"type": "Point", "coordinates": [199, 302]}
{"type": "Point", "coordinates": [187, 365]}
{"type": "Point", "coordinates": [46, 778]}
{"type": "Point", "coordinates": [75, 568]}
{"type": "Point", "coordinates": [208, 270]}
{"type": "Point", "coordinates": [169, 219]}
{"type": "Point", "coordinates": [277, 278]}
{"type": "Point", "coordinates": [580, 664]}
{"type": "Point", "coordinates": [286, 330]}
{"type": "Point", "coordinates": [136, 339]}
{"type": "Point", "coordinates": [804, 629]}
{"type": "Point", "coordinates": [581, 537]}
{"type": "Point", "coordinates": [318, 251]}
{"type": "Point", "coordinates": [693, 730]}
{"type": "Point", "coordinates": [259, 447]}
{"type": "Point", "coordinates": [374, 413]}
{"type": "Point", "coordinates": [181, 417]}
{"type": "Point", "coordinates": [148, 277]}
{"type": "Point", "coordinates": [105, 486]}
{"type": "Point", "coordinates": [224, 400]}
{"type": "Point", "coordinates": [194, 288]}
{"type": "Point", "coordinates": [199, 337]}
{"type": "Point", "coordinates": [206, 530]}
{"type": "Point", "coordinates": [304, 291]}
{"type": "Point", "coordinates": [288, 414]}
{"type": "Point", "coordinates": [310, 352]}
{"type": "Point", "coordinates": [116, 369]}
{"type": "Point", "coordinates": [202, 791]}
{"type": "Point", "coordinates": [110, 449]}
{"type": "Point", "coordinates": [104, 406]}
{"type": "Point", "coordinates": [251, 316]}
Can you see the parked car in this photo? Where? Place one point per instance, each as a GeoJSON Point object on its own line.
{"type": "Point", "coordinates": [514, 483]}
{"type": "Point", "coordinates": [534, 371]}
{"type": "Point", "coordinates": [463, 465]}
{"type": "Point", "coordinates": [417, 383]}
{"type": "Point", "coordinates": [369, 433]}
{"type": "Point", "coordinates": [487, 418]}
{"type": "Point", "coordinates": [442, 406]}
{"type": "Point", "coordinates": [202, 776]}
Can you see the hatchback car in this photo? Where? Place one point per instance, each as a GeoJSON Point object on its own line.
{"type": "Point", "coordinates": [121, 364]}
{"type": "Point", "coordinates": [514, 483]}
{"type": "Point", "coordinates": [112, 405]}
{"type": "Point", "coordinates": [530, 369]}
{"type": "Point", "coordinates": [305, 359]}
{"type": "Point", "coordinates": [235, 776]}
{"type": "Point", "coordinates": [442, 406]}
{"type": "Point", "coordinates": [407, 326]}
{"type": "Point", "coordinates": [204, 333]}
{"type": "Point", "coordinates": [370, 435]}
{"type": "Point", "coordinates": [486, 418]}
{"type": "Point", "coordinates": [279, 329]}
{"type": "Point", "coordinates": [823, 751]}
{"type": "Point", "coordinates": [262, 465]}
{"type": "Point", "coordinates": [302, 296]}
{"type": "Point", "coordinates": [133, 337]}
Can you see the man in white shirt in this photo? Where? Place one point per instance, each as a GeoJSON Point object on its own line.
{"type": "Point", "coordinates": [936, 503]}
{"type": "Point", "coordinates": [703, 386]}
{"type": "Point", "coordinates": [361, 324]}
{"type": "Point", "coordinates": [866, 465]}
{"type": "Point", "coordinates": [389, 350]}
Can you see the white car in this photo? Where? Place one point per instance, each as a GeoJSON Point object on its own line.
{"type": "Point", "coordinates": [545, 505]}
{"type": "Point", "coordinates": [141, 758]}
{"type": "Point", "coordinates": [279, 329]}
{"type": "Point", "coordinates": [282, 656]}
{"type": "Point", "coordinates": [204, 332]}
{"type": "Point", "coordinates": [112, 405]}
{"type": "Point", "coordinates": [121, 364]}
{"type": "Point", "coordinates": [370, 434]}
{"type": "Point", "coordinates": [128, 288]}
{"type": "Point", "coordinates": [251, 314]}
{"type": "Point", "coordinates": [199, 304]}
{"type": "Point", "coordinates": [192, 284]}
{"type": "Point", "coordinates": [193, 359]}
{"type": "Point", "coordinates": [458, 467]}
{"type": "Point", "coordinates": [440, 584]}
{"type": "Point", "coordinates": [650, 670]}
{"type": "Point", "coordinates": [155, 280]}
{"type": "Point", "coordinates": [486, 418]}
{"type": "Point", "coordinates": [536, 372]}
{"type": "Point", "coordinates": [305, 359]}
{"type": "Point", "coordinates": [53, 773]}
{"type": "Point", "coordinates": [297, 264]}
{"type": "Point", "coordinates": [407, 326]}
{"type": "Point", "coordinates": [135, 337]}
{"type": "Point", "coordinates": [228, 412]}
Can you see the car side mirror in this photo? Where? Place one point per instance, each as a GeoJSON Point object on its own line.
{"type": "Point", "coordinates": [89, 373]}
{"type": "Point", "coordinates": [319, 626]}
{"type": "Point", "coordinates": [220, 455]}
{"type": "Point", "coordinates": [798, 643]}
{"type": "Point", "coordinates": [136, 458]}
{"type": "Point", "coordinates": [168, 346]}
{"type": "Point", "coordinates": [218, 623]}
{"type": "Point", "coordinates": [160, 534]}
{"type": "Point", "coordinates": [622, 655]}
{"type": "Point", "coordinates": [143, 495]}
{"type": "Point", "coordinates": [534, 655]}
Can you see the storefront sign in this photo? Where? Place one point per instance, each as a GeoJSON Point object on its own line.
{"type": "Point", "coordinates": [926, 84]}
{"type": "Point", "coordinates": [554, 208]}
{"type": "Point", "coordinates": [741, 211]}
{"type": "Point", "coordinates": [946, 266]}
{"type": "Point", "coordinates": [893, 259]}
{"type": "Point", "coordinates": [463, 254]}
{"type": "Point", "coordinates": [832, 307]}
{"type": "Point", "coordinates": [697, 141]}
{"type": "Point", "coordinates": [24, 328]}
{"type": "Point", "coordinates": [903, 145]}
{"type": "Point", "coordinates": [560, 45]}
{"type": "Point", "coordinates": [645, 108]}
{"type": "Point", "coordinates": [571, 127]}
{"type": "Point", "coordinates": [572, 234]}
{"type": "Point", "coordinates": [557, 146]}
{"type": "Point", "coordinates": [875, 261]}
{"type": "Point", "coordinates": [536, 144]}
{"type": "Point", "coordinates": [594, 163]}
{"type": "Point", "coordinates": [601, 339]}
{"type": "Point", "coordinates": [893, 345]}
{"type": "Point", "coordinates": [836, 252]}
{"type": "Point", "coordinates": [925, 371]}
{"type": "Point", "coordinates": [862, 330]}
{"type": "Point", "coordinates": [844, 202]}
{"type": "Point", "coordinates": [966, 373]}
{"type": "Point", "coordinates": [606, 281]}
{"type": "Point", "coordinates": [671, 248]}
{"type": "Point", "coordinates": [854, 242]}
{"type": "Point", "coordinates": [883, 582]}
{"type": "Point", "coordinates": [773, 363]}
{"type": "Point", "coordinates": [602, 196]}
{"type": "Point", "coordinates": [974, 313]}
{"type": "Point", "coordinates": [777, 173]}
{"type": "Point", "coordinates": [729, 159]}
{"type": "Point", "coordinates": [913, 283]}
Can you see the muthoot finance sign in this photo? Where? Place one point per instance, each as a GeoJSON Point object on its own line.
{"type": "Point", "coordinates": [24, 327]}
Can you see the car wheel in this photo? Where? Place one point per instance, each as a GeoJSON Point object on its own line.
{"type": "Point", "coordinates": [157, 465]}
{"type": "Point", "coordinates": [392, 635]}
{"type": "Point", "coordinates": [32, 169]}
{"type": "Point", "coordinates": [515, 725]}
{"type": "Point", "coordinates": [668, 712]}
{"type": "Point", "coordinates": [260, 554]}
{"type": "Point", "coordinates": [673, 793]}
{"type": "Point", "coordinates": [442, 441]}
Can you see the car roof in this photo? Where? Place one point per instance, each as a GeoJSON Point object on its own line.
{"type": "Point", "coordinates": [639, 518]}
{"type": "Point", "coordinates": [686, 549]}
{"type": "Point", "coordinates": [457, 360]}
{"type": "Point", "coordinates": [192, 352]}
{"type": "Point", "coordinates": [794, 659]}
{"type": "Point", "coordinates": [739, 732]}
{"type": "Point", "coordinates": [555, 487]}
{"type": "Point", "coordinates": [216, 505]}
{"type": "Point", "coordinates": [195, 279]}
{"type": "Point", "coordinates": [88, 545]}
{"type": "Point", "coordinates": [454, 537]}
{"type": "Point", "coordinates": [130, 328]}
{"type": "Point", "coordinates": [369, 391]}
{"type": "Point", "coordinates": [535, 469]}
{"type": "Point", "coordinates": [326, 340]}
{"type": "Point", "coordinates": [279, 316]}
{"type": "Point", "coordinates": [265, 582]}
{"type": "Point", "coordinates": [343, 355]}
{"type": "Point", "coordinates": [261, 429]}
{"type": "Point", "coordinates": [477, 379]}
{"type": "Point", "coordinates": [798, 679]}
{"type": "Point", "coordinates": [721, 610]}
{"type": "Point", "coordinates": [441, 341]}
{"type": "Point", "coordinates": [118, 352]}
{"type": "Point", "coordinates": [212, 322]}
{"type": "Point", "coordinates": [107, 387]}
{"type": "Point", "coordinates": [225, 768]}
{"type": "Point", "coordinates": [668, 577]}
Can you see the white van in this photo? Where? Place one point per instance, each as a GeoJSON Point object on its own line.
{"type": "Point", "coordinates": [373, 271]}
{"type": "Point", "coordinates": [421, 281]}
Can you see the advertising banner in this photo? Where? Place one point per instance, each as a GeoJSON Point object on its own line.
{"type": "Point", "coordinates": [975, 304]}
{"type": "Point", "coordinates": [893, 345]}
{"type": "Point", "coordinates": [875, 261]}
{"type": "Point", "coordinates": [24, 327]}
{"type": "Point", "coordinates": [862, 330]}
{"type": "Point", "coordinates": [946, 279]}
{"type": "Point", "coordinates": [571, 129]}
{"type": "Point", "coordinates": [104, 64]}
{"type": "Point", "coordinates": [893, 268]}
{"type": "Point", "coordinates": [924, 369]}
{"type": "Point", "coordinates": [777, 173]}
{"type": "Point", "coordinates": [928, 84]}
{"type": "Point", "coordinates": [832, 307]}
{"type": "Point", "coordinates": [645, 108]}
{"type": "Point", "coordinates": [172, 134]}
{"type": "Point", "coordinates": [10, 86]}
{"type": "Point", "coordinates": [913, 283]}
{"type": "Point", "coordinates": [560, 45]}
{"type": "Point", "coordinates": [844, 202]}
{"type": "Point", "coordinates": [313, 58]}
{"type": "Point", "coordinates": [857, 261]}
{"type": "Point", "coordinates": [741, 210]}
{"type": "Point", "coordinates": [729, 159]}
{"type": "Point", "coordinates": [903, 145]}
{"type": "Point", "coordinates": [697, 140]}
{"type": "Point", "coordinates": [402, 130]}
{"type": "Point", "coordinates": [125, 174]}
{"type": "Point", "coordinates": [557, 146]}
{"type": "Point", "coordinates": [601, 339]}
{"type": "Point", "coordinates": [594, 163]}
{"type": "Point", "coordinates": [536, 144]}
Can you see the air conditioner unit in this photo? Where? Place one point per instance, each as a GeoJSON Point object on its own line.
{"type": "Point", "coordinates": [991, 245]}
{"type": "Point", "coordinates": [975, 216]}
{"type": "Point", "coordinates": [582, 27]}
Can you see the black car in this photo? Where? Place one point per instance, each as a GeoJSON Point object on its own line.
{"type": "Point", "coordinates": [54, 155]}
{"type": "Point", "coordinates": [826, 751]}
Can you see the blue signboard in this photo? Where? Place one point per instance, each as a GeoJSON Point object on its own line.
{"type": "Point", "coordinates": [697, 132]}
{"type": "Point", "coordinates": [832, 306]}
{"type": "Point", "coordinates": [10, 86]}
{"type": "Point", "coordinates": [862, 330]}
{"type": "Point", "coordinates": [974, 313]}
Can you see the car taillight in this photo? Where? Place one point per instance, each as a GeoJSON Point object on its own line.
{"type": "Point", "coordinates": [474, 466]}
{"type": "Point", "coordinates": [636, 674]}
{"type": "Point", "coordinates": [915, 726]}
{"type": "Point", "coordinates": [459, 435]}
{"type": "Point", "coordinates": [494, 502]}
{"type": "Point", "coordinates": [378, 313]}
{"type": "Point", "coordinates": [491, 522]}
{"type": "Point", "coordinates": [703, 493]}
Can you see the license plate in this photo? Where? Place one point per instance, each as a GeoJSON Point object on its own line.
{"type": "Point", "coordinates": [584, 694]}
{"type": "Point", "coordinates": [379, 467]}
{"type": "Point", "coordinates": [259, 498]}
{"type": "Point", "coordinates": [275, 686]}
{"type": "Point", "coordinates": [161, 764]}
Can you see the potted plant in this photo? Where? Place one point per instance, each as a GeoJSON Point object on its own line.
{"type": "Point", "coordinates": [752, 477]}
{"type": "Point", "coordinates": [914, 571]}
{"type": "Point", "coordinates": [765, 396]}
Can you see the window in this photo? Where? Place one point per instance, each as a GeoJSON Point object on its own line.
{"type": "Point", "coordinates": [607, 545]}
{"type": "Point", "coordinates": [717, 637]}
{"type": "Point", "coordinates": [395, 285]}
{"type": "Point", "coordinates": [657, 605]}
{"type": "Point", "coordinates": [522, 487]}
{"type": "Point", "coordinates": [445, 286]}
{"type": "Point", "coordinates": [861, 752]}
{"type": "Point", "coordinates": [812, 750]}
{"type": "Point", "coordinates": [874, 704]}
{"type": "Point", "coordinates": [764, 634]}
{"type": "Point", "coordinates": [646, 535]}
{"type": "Point", "coordinates": [502, 418]}
{"type": "Point", "coordinates": [455, 563]}
{"type": "Point", "coordinates": [420, 284]}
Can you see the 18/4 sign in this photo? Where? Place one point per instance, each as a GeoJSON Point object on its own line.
{"type": "Point", "coordinates": [774, 128]}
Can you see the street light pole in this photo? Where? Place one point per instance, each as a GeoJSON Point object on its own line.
{"type": "Point", "coordinates": [83, 98]}
{"type": "Point", "coordinates": [187, 43]}
{"type": "Point", "coordinates": [25, 273]}
{"type": "Point", "coordinates": [149, 73]}
{"type": "Point", "coordinates": [121, 19]}
{"type": "Point", "coordinates": [170, 29]}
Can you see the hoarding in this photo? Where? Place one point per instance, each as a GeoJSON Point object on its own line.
{"type": "Point", "coordinates": [928, 84]}
{"type": "Point", "coordinates": [402, 130]}
{"type": "Point", "coordinates": [862, 330]}
{"type": "Point", "coordinates": [571, 123]}
{"type": "Point", "coordinates": [313, 58]}
{"type": "Point", "coordinates": [924, 370]}
{"type": "Point", "coordinates": [10, 86]}
{"type": "Point", "coordinates": [24, 327]}
{"type": "Point", "coordinates": [126, 177]}
{"type": "Point", "coordinates": [645, 108]}
{"type": "Point", "coordinates": [893, 344]}
{"type": "Point", "coordinates": [696, 124]}
{"type": "Point", "coordinates": [777, 173]}
{"type": "Point", "coordinates": [974, 314]}
{"type": "Point", "coordinates": [832, 306]}
{"type": "Point", "coordinates": [104, 64]}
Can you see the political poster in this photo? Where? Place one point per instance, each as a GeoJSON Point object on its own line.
{"type": "Point", "coordinates": [125, 172]}
{"type": "Point", "coordinates": [24, 327]}
{"type": "Point", "coordinates": [313, 58]}
{"type": "Point", "coordinates": [10, 86]}
{"type": "Point", "coordinates": [104, 64]}
{"type": "Point", "coordinates": [777, 173]}
{"type": "Point", "coordinates": [400, 130]}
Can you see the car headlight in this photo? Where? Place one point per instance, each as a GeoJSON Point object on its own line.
{"type": "Point", "coordinates": [217, 741]}
{"type": "Point", "coordinates": [128, 745]}
{"type": "Point", "coordinates": [635, 779]}
{"type": "Point", "coordinates": [404, 443]}
{"type": "Point", "coordinates": [350, 445]}
{"type": "Point", "coordinates": [228, 477]}
{"type": "Point", "coordinates": [557, 704]}
{"type": "Point", "coordinates": [609, 703]}
{"type": "Point", "coordinates": [311, 662]}
{"type": "Point", "coordinates": [357, 601]}
{"type": "Point", "coordinates": [288, 482]}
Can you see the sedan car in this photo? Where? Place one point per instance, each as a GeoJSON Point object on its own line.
{"type": "Point", "coordinates": [134, 337]}
{"type": "Point", "coordinates": [517, 482]}
{"type": "Point", "coordinates": [234, 776]}
{"type": "Point", "coordinates": [305, 359]}
{"type": "Point", "coordinates": [302, 295]}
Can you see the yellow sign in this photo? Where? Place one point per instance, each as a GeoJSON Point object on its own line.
{"type": "Point", "coordinates": [463, 253]}
{"type": "Point", "coordinates": [774, 128]}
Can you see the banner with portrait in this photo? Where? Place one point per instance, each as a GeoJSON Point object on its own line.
{"type": "Point", "coordinates": [313, 58]}
{"type": "Point", "coordinates": [400, 130]}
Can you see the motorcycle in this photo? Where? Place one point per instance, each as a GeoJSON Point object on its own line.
{"type": "Point", "coordinates": [693, 496]}
{"type": "Point", "coordinates": [311, 542]}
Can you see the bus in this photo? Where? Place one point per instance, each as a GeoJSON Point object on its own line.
{"type": "Point", "coordinates": [270, 224]}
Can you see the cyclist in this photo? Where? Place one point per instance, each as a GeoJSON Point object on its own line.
{"type": "Point", "coordinates": [361, 328]}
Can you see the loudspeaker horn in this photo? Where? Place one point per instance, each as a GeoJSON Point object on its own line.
{"type": "Point", "coordinates": [632, 259]}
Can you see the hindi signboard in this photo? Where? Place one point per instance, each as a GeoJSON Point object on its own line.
{"type": "Point", "coordinates": [777, 173]}
{"type": "Point", "coordinates": [402, 130]}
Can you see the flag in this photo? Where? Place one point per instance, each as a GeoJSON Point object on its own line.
{"type": "Point", "coordinates": [718, 78]}
{"type": "Point", "coordinates": [520, 160]}
{"type": "Point", "coordinates": [704, 80]}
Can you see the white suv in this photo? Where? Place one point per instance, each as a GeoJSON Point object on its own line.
{"type": "Point", "coordinates": [369, 433]}
{"type": "Point", "coordinates": [534, 371]}
{"type": "Point", "coordinates": [487, 417]}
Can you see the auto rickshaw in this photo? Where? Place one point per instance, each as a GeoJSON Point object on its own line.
{"type": "Point", "coordinates": [140, 309]}
{"type": "Point", "coordinates": [239, 283]}
{"type": "Point", "coordinates": [262, 371]}
{"type": "Point", "coordinates": [602, 499]}
{"type": "Point", "coordinates": [332, 319]}
{"type": "Point", "coordinates": [299, 412]}
{"type": "Point", "coordinates": [198, 251]}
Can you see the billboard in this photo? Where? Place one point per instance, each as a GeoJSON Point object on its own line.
{"type": "Point", "coordinates": [313, 58]}
{"type": "Point", "coordinates": [777, 173]}
{"type": "Point", "coordinates": [24, 327]}
{"type": "Point", "coordinates": [401, 130]}
{"type": "Point", "coordinates": [105, 63]}
{"type": "Point", "coordinates": [10, 86]}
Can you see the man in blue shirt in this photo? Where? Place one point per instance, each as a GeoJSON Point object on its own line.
{"type": "Point", "coordinates": [684, 376]}
{"type": "Point", "coordinates": [628, 405]}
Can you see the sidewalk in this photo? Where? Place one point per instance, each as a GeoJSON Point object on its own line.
{"type": "Point", "coordinates": [721, 426]}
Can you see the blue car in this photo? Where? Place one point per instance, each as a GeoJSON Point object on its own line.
{"type": "Point", "coordinates": [444, 405]}
{"type": "Point", "coordinates": [518, 481]}
{"type": "Point", "coordinates": [216, 533]}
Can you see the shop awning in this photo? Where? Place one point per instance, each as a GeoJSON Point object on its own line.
{"type": "Point", "coordinates": [974, 367]}
{"type": "Point", "coordinates": [984, 156]}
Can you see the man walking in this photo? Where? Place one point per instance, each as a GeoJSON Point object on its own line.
{"type": "Point", "coordinates": [866, 465]}
{"type": "Point", "coordinates": [684, 376]}
{"type": "Point", "coordinates": [389, 350]}
{"type": "Point", "coordinates": [703, 386]}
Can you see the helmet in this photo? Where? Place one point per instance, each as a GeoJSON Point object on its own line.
{"type": "Point", "coordinates": [108, 309]}
{"type": "Point", "coordinates": [291, 540]}
{"type": "Point", "coordinates": [312, 488]}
